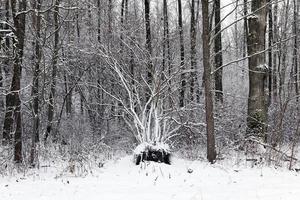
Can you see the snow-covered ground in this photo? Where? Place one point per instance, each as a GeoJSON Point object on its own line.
{"type": "Point", "coordinates": [183, 180]}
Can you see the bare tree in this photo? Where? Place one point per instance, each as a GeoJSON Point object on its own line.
{"type": "Point", "coordinates": [193, 38]}
{"type": "Point", "coordinates": [257, 110]}
{"type": "Point", "coordinates": [7, 128]}
{"type": "Point", "coordinates": [55, 55]}
{"type": "Point", "coordinates": [182, 64]}
{"type": "Point", "coordinates": [270, 50]}
{"type": "Point", "coordinates": [36, 73]}
{"type": "Point", "coordinates": [209, 110]}
{"type": "Point", "coordinates": [166, 48]}
{"type": "Point", "coordinates": [150, 68]}
{"type": "Point", "coordinates": [13, 101]}
{"type": "Point", "coordinates": [218, 53]}
{"type": "Point", "coordinates": [295, 49]}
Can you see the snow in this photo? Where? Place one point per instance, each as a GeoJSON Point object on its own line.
{"type": "Point", "coordinates": [158, 146]}
{"type": "Point", "coordinates": [183, 180]}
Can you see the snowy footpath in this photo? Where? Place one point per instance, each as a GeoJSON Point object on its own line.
{"type": "Point", "coordinates": [183, 180]}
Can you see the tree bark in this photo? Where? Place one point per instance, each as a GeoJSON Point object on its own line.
{"type": "Point", "coordinates": [166, 48]}
{"type": "Point", "coordinates": [218, 53]}
{"type": "Point", "coordinates": [150, 70]}
{"type": "Point", "coordinates": [246, 30]}
{"type": "Point", "coordinates": [99, 21]}
{"type": "Point", "coordinates": [35, 82]}
{"type": "Point", "coordinates": [51, 104]}
{"type": "Point", "coordinates": [275, 54]}
{"type": "Point", "coordinates": [257, 111]}
{"type": "Point", "coordinates": [8, 118]}
{"type": "Point", "coordinates": [13, 101]}
{"type": "Point", "coordinates": [209, 110]}
{"type": "Point", "coordinates": [182, 67]}
{"type": "Point", "coordinates": [270, 50]}
{"type": "Point", "coordinates": [193, 52]}
{"type": "Point", "coordinates": [295, 49]}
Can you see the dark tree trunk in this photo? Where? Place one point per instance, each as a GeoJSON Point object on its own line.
{"type": "Point", "coordinates": [182, 67]}
{"type": "Point", "coordinates": [166, 47]}
{"type": "Point", "coordinates": [99, 21]}
{"type": "Point", "coordinates": [218, 53]}
{"type": "Point", "coordinates": [122, 24]}
{"type": "Point", "coordinates": [295, 50]}
{"type": "Point", "coordinates": [51, 105]}
{"type": "Point", "coordinates": [110, 35]}
{"type": "Point", "coordinates": [275, 54]}
{"type": "Point", "coordinates": [257, 109]}
{"type": "Point", "coordinates": [211, 150]}
{"type": "Point", "coordinates": [13, 98]}
{"type": "Point", "coordinates": [9, 99]}
{"type": "Point", "coordinates": [193, 52]}
{"type": "Point", "coordinates": [35, 82]}
{"type": "Point", "coordinates": [150, 70]}
{"type": "Point", "coordinates": [68, 93]}
{"type": "Point", "coordinates": [246, 30]}
{"type": "Point", "coordinates": [270, 56]}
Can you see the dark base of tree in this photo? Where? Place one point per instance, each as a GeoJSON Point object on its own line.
{"type": "Point", "coordinates": [152, 153]}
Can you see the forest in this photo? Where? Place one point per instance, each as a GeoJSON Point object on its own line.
{"type": "Point", "coordinates": [85, 82]}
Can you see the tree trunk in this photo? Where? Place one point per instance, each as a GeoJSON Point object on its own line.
{"type": "Point", "coordinates": [211, 151]}
{"type": "Point", "coordinates": [257, 111]}
{"type": "Point", "coordinates": [122, 25]}
{"type": "Point", "coordinates": [295, 49]}
{"type": "Point", "coordinates": [246, 30]}
{"type": "Point", "coordinates": [13, 101]}
{"type": "Point", "coordinates": [68, 93]}
{"type": "Point", "coordinates": [193, 52]}
{"type": "Point", "coordinates": [275, 54]}
{"type": "Point", "coordinates": [8, 118]}
{"type": "Point", "coordinates": [150, 70]}
{"type": "Point", "coordinates": [218, 53]}
{"type": "Point", "coordinates": [54, 72]}
{"type": "Point", "coordinates": [110, 35]}
{"type": "Point", "coordinates": [166, 48]}
{"type": "Point", "coordinates": [99, 21]}
{"type": "Point", "coordinates": [270, 56]}
{"type": "Point", "coordinates": [182, 67]}
{"type": "Point", "coordinates": [36, 18]}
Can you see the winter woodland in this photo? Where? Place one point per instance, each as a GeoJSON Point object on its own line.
{"type": "Point", "coordinates": [152, 96]}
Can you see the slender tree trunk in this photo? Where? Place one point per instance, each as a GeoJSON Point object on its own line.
{"type": "Point", "coordinates": [68, 93]}
{"type": "Point", "coordinates": [150, 69]}
{"type": "Point", "coordinates": [99, 21]}
{"type": "Point", "coordinates": [270, 56]}
{"type": "Point", "coordinates": [193, 52]}
{"type": "Point", "coordinates": [218, 53]}
{"type": "Point", "coordinates": [246, 30]}
{"type": "Point", "coordinates": [19, 25]}
{"type": "Point", "coordinates": [122, 24]}
{"type": "Point", "coordinates": [211, 151]}
{"type": "Point", "coordinates": [110, 35]}
{"type": "Point", "coordinates": [9, 98]}
{"type": "Point", "coordinates": [295, 50]}
{"type": "Point", "coordinates": [257, 111]}
{"type": "Point", "coordinates": [182, 67]}
{"type": "Point", "coordinates": [275, 54]}
{"type": "Point", "coordinates": [166, 48]}
{"type": "Point", "coordinates": [51, 104]}
{"type": "Point", "coordinates": [35, 86]}
{"type": "Point", "coordinates": [2, 47]}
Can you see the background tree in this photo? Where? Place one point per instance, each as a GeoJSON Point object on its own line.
{"type": "Point", "coordinates": [257, 111]}
{"type": "Point", "coordinates": [209, 111]}
{"type": "Point", "coordinates": [218, 53]}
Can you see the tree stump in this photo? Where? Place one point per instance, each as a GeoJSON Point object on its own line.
{"type": "Point", "coordinates": [152, 152]}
